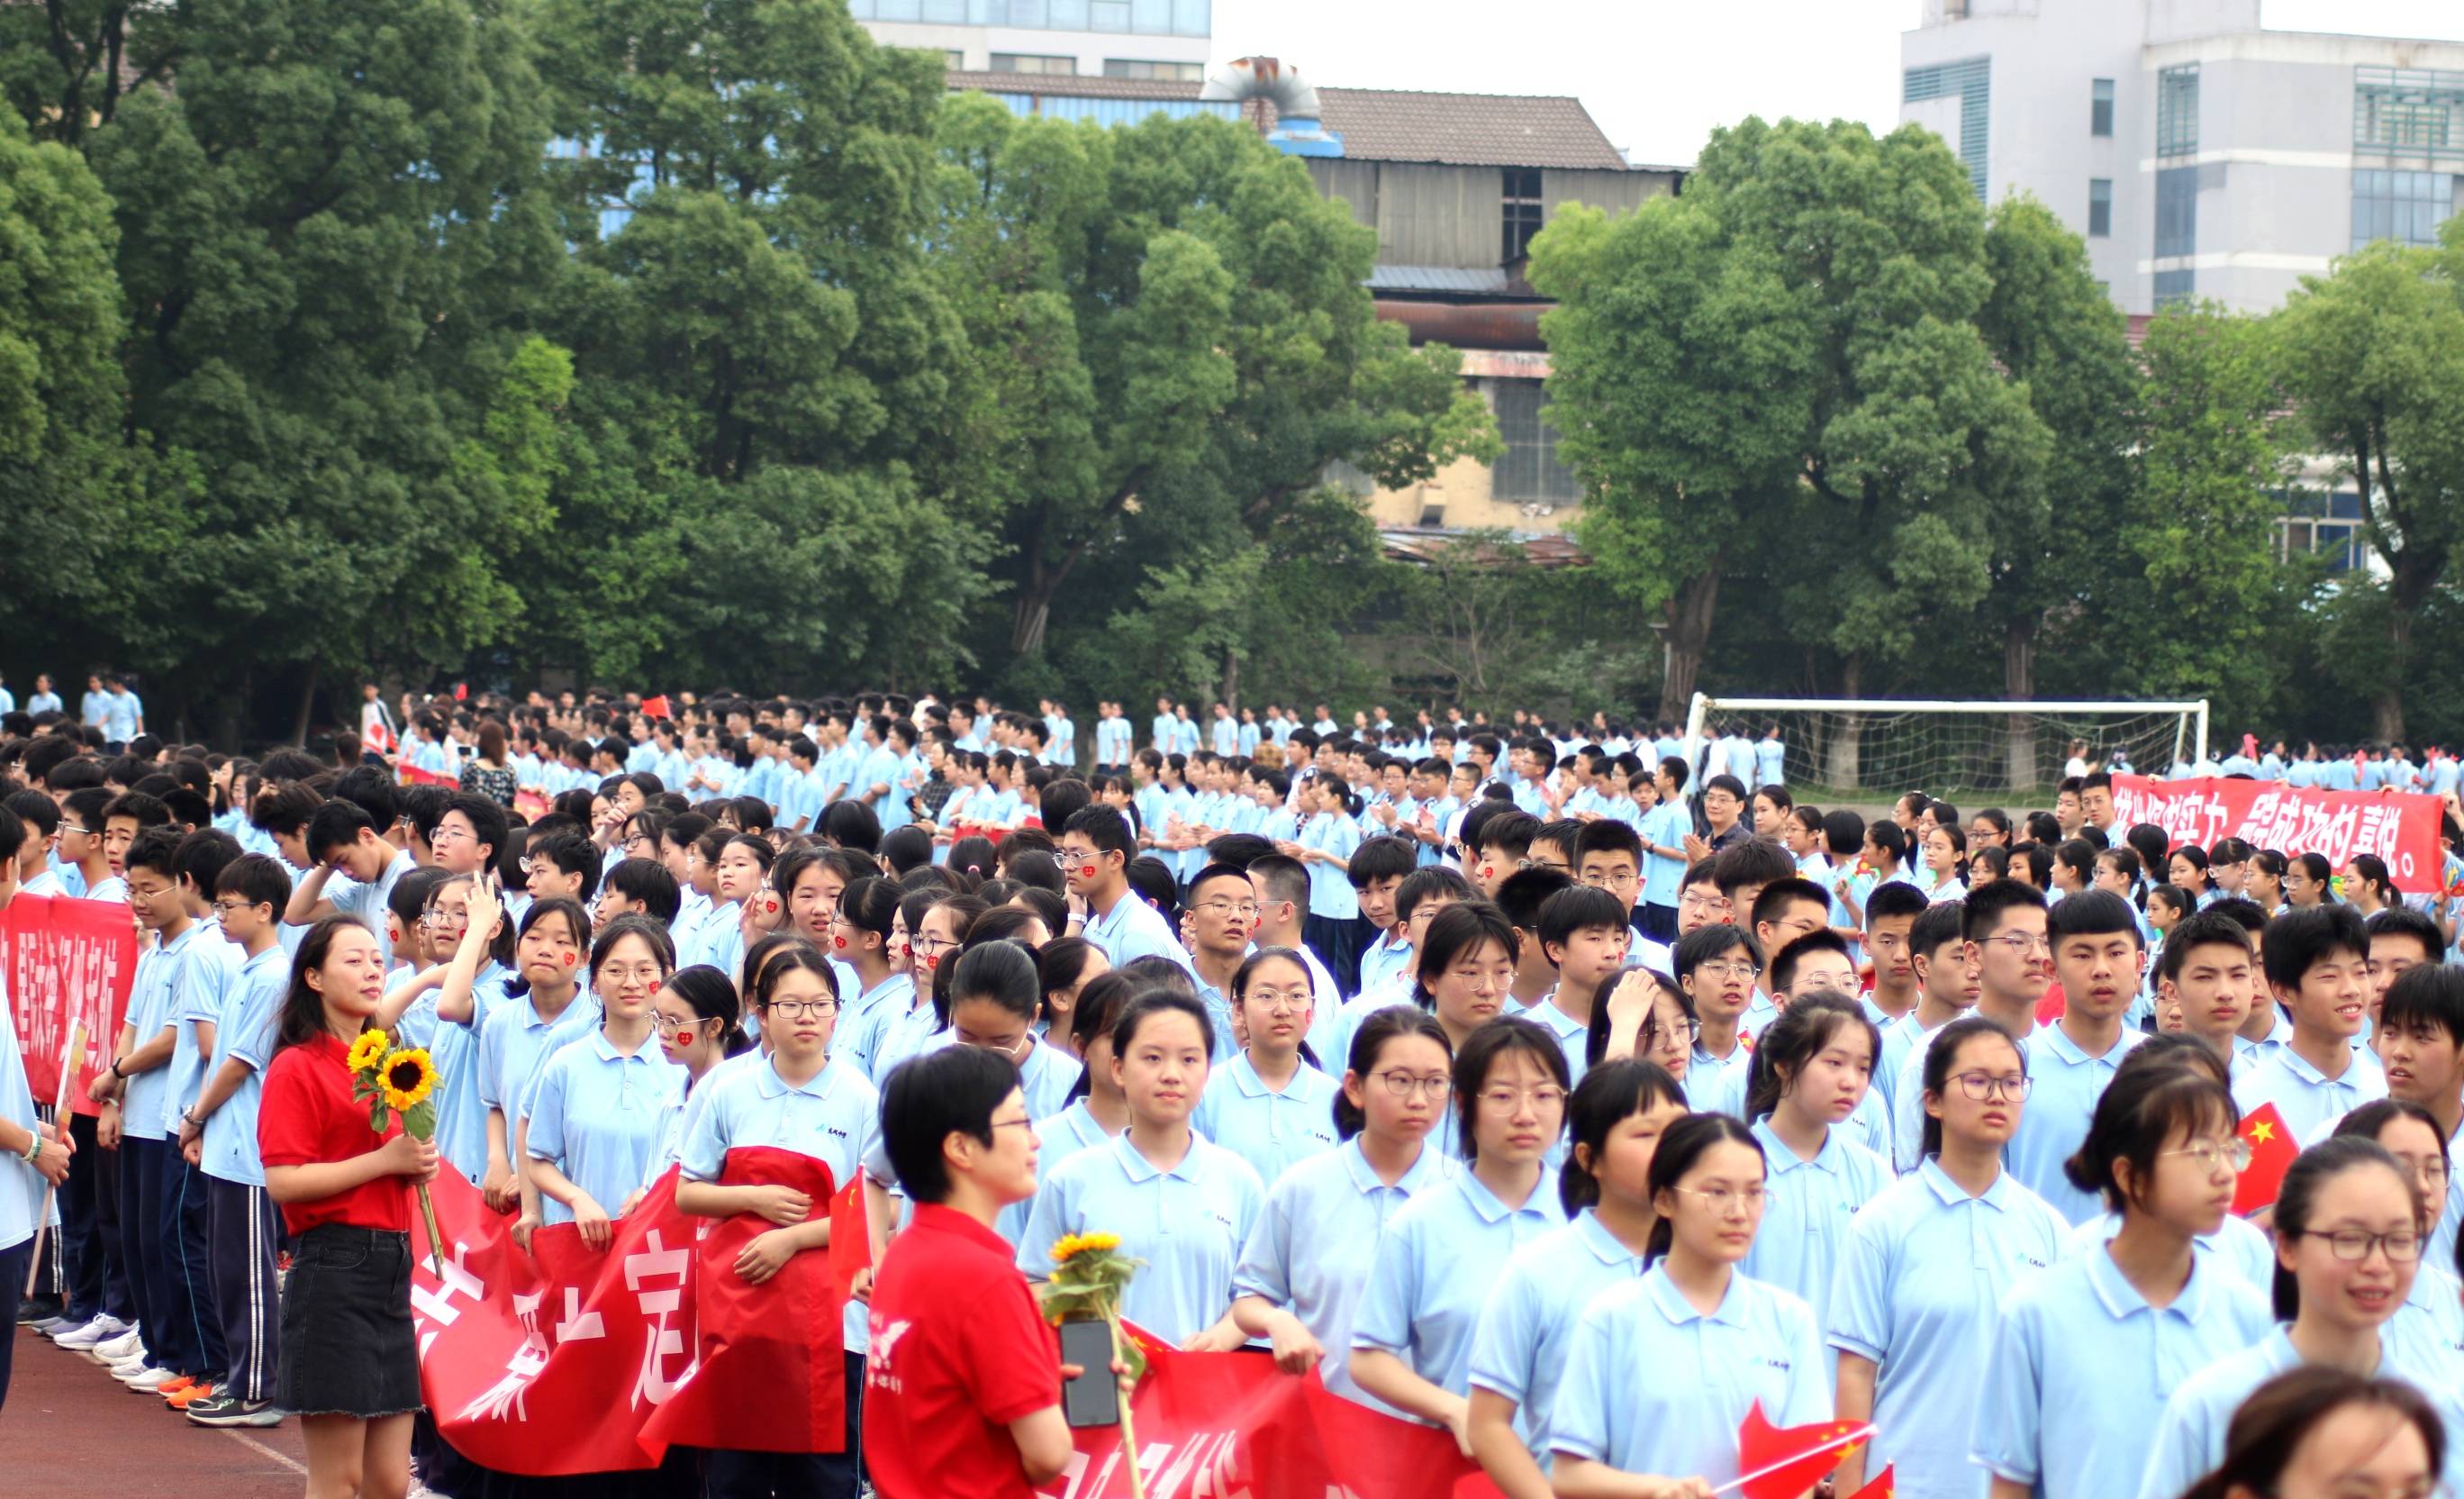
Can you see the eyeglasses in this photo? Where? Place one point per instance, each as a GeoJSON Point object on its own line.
{"type": "Point", "coordinates": [2353, 1244]}
{"type": "Point", "coordinates": [1542, 864]}
{"type": "Point", "coordinates": [1243, 908]}
{"type": "Point", "coordinates": [2214, 1155]}
{"type": "Point", "coordinates": [1720, 1200]}
{"type": "Point", "coordinates": [1685, 1032]}
{"type": "Point", "coordinates": [792, 1010]}
{"type": "Point", "coordinates": [929, 945]}
{"type": "Point", "coordinates": [1544, 1096]}
{"type": "Point", "coordinates": [1076, 858]}
{"type": "Point", "coordinates": [1011, 1051]}
{"type": "Point", "coordinates": [1724, 969]}
{"type": "Point", "coordinates": [1279, 1002]}
{"type": "Point", "coordinates": [2022, 944]}
{"type": "Point", "coordinates": [1705, 903]}
{"type": "Point", "coordinates": [1599, 881]}
{"type": "Point", "coordinates": [224, 908]}
{"type": "Point", "coordinates": [630, 972]}
{"type": "Point", "coordinates": [1403, 1085]}
{"type": "Point", "coordinates": [668, 1024]}
{"type": "Point", "coordinates": [67, 828]}
{"type": "Point", "coordinates": [1982, 1086]}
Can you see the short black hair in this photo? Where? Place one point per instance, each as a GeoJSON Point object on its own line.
{"type": "Point", "coordinates": [1706, 943]}
{"type": "Point", "coordinates": [1383, 857]}
{"type": "Point", "coordinates": [572, 854]}
{"type": "Point", "coordinates": [1784, 962]}
{"type": "Point", "coordinates": [2092, 913]}
{"type": "Point", "coordinates": [1609, 835]}
{"type": "Point", "coordinates": [1898, 898]}
{"type": "Point", "coordinates": [1943, 921]}
{"type": "Point", "coordinates": [1750, 860]}
{"type": "Point", "coordinates": [2405, 922]}
{"type": "Point", "coordinates": [1423, 886]}
{"type": "Point", "coordinates": [933, 1096]}
{"type": "Point", "coordinates": [2298, 940]}
{"type": "Point", "coordinates": [1989, 902]}
{"type": "Point", "coordinates": [1522, 894]}
{"type": "Point", "coordinates": [2200, 929]}
{"type": "Point", "coordinates": [486, 818]}
{"type": "Point", "coordinates": [2431, 994]}
{"type": "Point", "coordinates": [1781, 893]}
{"type": "Point", "coordinates": [153, 848]}
{"type": "Point", "coordinates": [1106, 828]}
{"type": "Point", "coordinates": [336, 825]}
{"type": "Point", "coordinates": [1574, 908]}
{"type": "Point", "coordinates": [255, 878]}
{"type": "Point", "coordinates": [648, 883]}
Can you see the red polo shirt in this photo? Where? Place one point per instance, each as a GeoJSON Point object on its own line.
{"type": "Point", "coordinates": [960, 1351]}
{"type": "Point", "coordinates": [307, 1116]}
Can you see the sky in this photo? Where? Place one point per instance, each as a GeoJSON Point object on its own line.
{"type": "Point", "coordinates": [1657, 75]}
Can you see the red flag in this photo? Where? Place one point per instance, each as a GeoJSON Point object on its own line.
{"type": "Point", "coordinates": [657, 707]}
{"type": "Point", "coordinates": [63, 960]}
{"type": "Point", "coordinates": [1784, 1461]}
{"type": "Point", "coordinates": [461, 692]}
{"type": "Point", "coordinates": [2049, 1009]}
{"type": "Point", "coordinates": [2272, 1152]}
{"type": "Point", "coordinates": [851, 1237]}
{"type": "Point", "coordinates": [1880, 1489]}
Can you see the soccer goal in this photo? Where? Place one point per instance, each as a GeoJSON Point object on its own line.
{"type": "Point", "coordinates": [1880, 747]}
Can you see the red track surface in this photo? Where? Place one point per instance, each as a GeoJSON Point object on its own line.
{"type": "Point", "coordinates": [70, 1428]}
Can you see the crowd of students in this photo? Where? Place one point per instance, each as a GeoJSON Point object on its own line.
{"type": "Point", "coordinates": [1552, 1091]}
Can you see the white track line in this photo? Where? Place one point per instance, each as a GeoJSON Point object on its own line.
{"type": "Point", "coordinates": [283, 1458]}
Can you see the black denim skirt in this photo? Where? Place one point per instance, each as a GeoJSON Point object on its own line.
{"type": "Point", "coordinates": [346, 1337]}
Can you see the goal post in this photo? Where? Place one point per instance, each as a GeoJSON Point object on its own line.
{"type": "Point", "coordinates": [1873, 746]}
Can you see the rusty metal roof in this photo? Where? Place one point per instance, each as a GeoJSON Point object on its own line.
{"type": "Point", "coordinates": [1421, 545]}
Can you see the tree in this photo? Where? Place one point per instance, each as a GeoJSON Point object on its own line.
{"type": "Point", "coordinates": [2373, 355]}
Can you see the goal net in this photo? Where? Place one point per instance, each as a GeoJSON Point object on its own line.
{"type": "Point", "coordinates": [1878, 748]}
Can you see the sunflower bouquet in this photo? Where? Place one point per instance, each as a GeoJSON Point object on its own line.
{"type": "Point", "coordinates": [1090, 1272]}
{"type": "Point", "coordinates": [404, 1083]}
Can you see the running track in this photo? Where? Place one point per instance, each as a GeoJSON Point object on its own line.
{"type": "Point", "coordinates": [69, 1429]}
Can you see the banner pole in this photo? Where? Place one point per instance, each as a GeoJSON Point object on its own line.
{"type": "Point", "coordinates": [1844, 1442]}
{"type": "Point", "coordinates": [69, 1059]}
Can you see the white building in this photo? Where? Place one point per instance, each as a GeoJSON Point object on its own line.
{"type": "Point", "coordinates": [2199, 154]}
{"type": "Point", "coordinates": [1086, 38]}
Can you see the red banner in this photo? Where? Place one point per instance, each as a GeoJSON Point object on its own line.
{"type": "Point", "coordinates": [575, 1360]}
{"type": "Point", "coordinates": [2399, 827]}
{"type": "Point", "coordinates": [411, 775]}
{"type": "Point", "coordinates": [67, 960]}
{"type": "Point", "coordinates": [531, 806]}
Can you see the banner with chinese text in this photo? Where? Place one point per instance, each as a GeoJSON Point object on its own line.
{"type": "Point", "coordinates": [2399, 827]}
{"type": "Point", "coordinates": [66, 960]}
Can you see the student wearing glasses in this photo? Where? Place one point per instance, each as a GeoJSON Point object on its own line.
{"type": "Point", "coordinates": [1272, 1105]}
{"type": "Point", "coordinates": [1094, 850]}
{"type": "Point", "coordinates": [1716, 968]}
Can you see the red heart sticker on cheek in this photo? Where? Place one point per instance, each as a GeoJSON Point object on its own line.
{"type": "Point", "coordinates": [838, 942]}
{"type": "Point", "coordinates": [771, 905]}
{"type": "Point", "coordinates": [570, 959]}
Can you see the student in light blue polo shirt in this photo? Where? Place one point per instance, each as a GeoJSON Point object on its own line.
{"type": "Point", "coordinates": [1435, 1265]}
{"type": "Point", "coordinates": [2346, 1219]}
{"type": "Point", "coordinates": [355, 872]}
{"type": "Point", "coordinates": [137, 1083]}
{"type": "Point", "coordinates": [797, 1098]}
{"type": "Point", "coordinates": [1518, 1353]}
{"type": "Point", "coordinates": [1094, 853]}
{"type": "Point", "coordinates": [2097, 960]}
{"type": "Point", "coordinates": [2087, 1350]}
{"type": "Point", "coordinates": [1305, 1266]}
{"type": "Point", "coordinates": [993, 999]}
{"type": "Point", "coordinates": [1616, 1406]}
{"type": "Point", "coordinates": [1270, 1105]}
{"type": "Point", "coordinates": [1182, 1204]}
{"type": "Point", "coordinates": [545, 1006]}
{"type": "Point", "coordinates": [2316, 961]}
{"type": "Point", "coordinates": [1376, 871]}
{"type": "Point", "coordinates": [1810, 1070]}
{"type": "Point", "coordinates": [1327, 839]}
{"type": "Point", "coordinates": [1926, 1269]}
{"type": "Point", "coordinates": [603, 1100]}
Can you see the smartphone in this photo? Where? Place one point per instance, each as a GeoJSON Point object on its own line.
{"type": "Point", "coordinates": [1094, 1397]}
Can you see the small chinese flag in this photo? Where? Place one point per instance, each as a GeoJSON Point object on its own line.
{"type": "Point", "coordinates": [1880, 1489]}
{"type": "Point", "coordinates": [2272, 1151]}
{"type": "Point", "coordinates": [1784, 1461]}
{"type": "Point", "coordinates": [657, 707]}
{"type": "Point", "coordinates": [851, 1236]}
{"type": "Point", "coordinates": [2049, 1009]}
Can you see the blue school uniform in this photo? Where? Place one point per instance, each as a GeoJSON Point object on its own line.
{"type": "Point", "coordinates": [1132, 930]}
{"type": "Point", "coordinates": [2310, 1101]}
{"type": "Point", "coordinates": [1315, 1240]}
{"type": "Point", "coordinates": [1922, 1275]}
{"type": "Point", "coordinates": [598, 1115]}
{"type": "Point", "coordinates": [1573, 1036]}
{"type": "Point", "coordinates": [461, 1117]}
{"type": "Point", "coordinates": [1616, 1403]}
{"type": "Point", "coordinates": [153, 1006]}
{"type": "Point", "coordinates": [2064, 1084]}
{"type": "Point", "coordinates": [1806, 1213]}
{"type": "Point", "coordinates": [834, 1116]}
{"type": "Point", "coordinates": [22, 1188]}
{"type": "Point", "coordinates": [1433, 1267]}
{"type": "Point", "coordinates": [864, 1022]}
{"type": "Point", "coordinates": [1064, 1135]}
{"type": "Point", "coordinates": [1331, 892]}
{"type": "Point", "coordinates": [2238, 1248]}
{"type": "Point", "coordinates": [2081, 1365]}
{"type": "Point", "coordinates": [1518, 1348]}
{"type": "Point", "coordinates": [2190, 1436]}
{"type": "Point", "coordinates": [1271, 1131]}
{"type": "Point", "coordinates": [1189, 1225]}
{"type": "Point", "coordinates": [251, 1003]}
{"type": "Point", "coordinates": [1709, 1080]}
{"type": "Point", "coordinates": [197, 998]}
{"type": "Point", "coordinates": [516, 1042]}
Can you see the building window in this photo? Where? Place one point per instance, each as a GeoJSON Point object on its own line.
{"type": "Point", "coordinates": [2177, 111]}
{"type": "Point", "coordinates": [955, 60]}
{"type": "Point", "coordinates": [1529, 471]}
{"type": "Point", "coordinates": [1970, 81]}
{"type": "Point", "coordinates": [1029, 62]}
{"type": "Point", "coordinates": [2175, 286]}
{"type": "Point", "coordinates": [2404, 207]}
{"type": "Point", "coordinates": [2177, 211]}
{"type": "Point", "coordinates": [2328, 525]}
{"type": "Point", "coordinates": [2099, 206]}
{"type": "Point", "coordinates": [1139, 68]}
{"type": "Point", "coordinates": [2099, 107]}
{"type": "Point", "coordinates": [1523, 211]}
{"type": "Point", "coordinates": [2417, 111]}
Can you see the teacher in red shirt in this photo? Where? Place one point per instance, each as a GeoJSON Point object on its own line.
{"type": "Point", "coordinates": [963, 1387]}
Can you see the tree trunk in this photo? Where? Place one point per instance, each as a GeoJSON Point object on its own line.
{"type": "Point", "coordinates": [307, 701]}
{"type": "Point", "coordinates": [1231, 693]}
{"type": "Point", "coordinates": [2406, 592]}
{"type": "Point", "coordinates": [1688, 635]}
{"type": "Point", "coordinates": [2019, 685]}
{"type": "Point", "coordinates": [1847, 744]}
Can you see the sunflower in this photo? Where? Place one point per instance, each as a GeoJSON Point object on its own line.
{"type": "Point", "coordinates": [1071, 1245]}
{"type": "Point", "coordinates": [368, 1051]}
{"type": "Point", "coordinates": [409, 1078]}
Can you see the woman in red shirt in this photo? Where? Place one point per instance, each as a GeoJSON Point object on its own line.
{"type": "Point", "coordinates": [349, 1369]}
{"type": "Point", "coordinates": [962, 1385]}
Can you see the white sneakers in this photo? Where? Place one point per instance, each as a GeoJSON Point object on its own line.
{"type": "Point", "coordinates": [114, 1350]}
{"type": "Point", "coordinates": [144, 1377]}
{"type": "Point", "coordinates": [86, 1335]}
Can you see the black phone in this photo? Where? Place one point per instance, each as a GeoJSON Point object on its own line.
{"type": "Point", "coordinates": [1093, 1399]}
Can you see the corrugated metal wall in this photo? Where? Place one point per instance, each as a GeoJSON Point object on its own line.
{"type": "Point", "coordinates": [1616, 192]}
{"type": "Point", "coordinates": [1431, 216]}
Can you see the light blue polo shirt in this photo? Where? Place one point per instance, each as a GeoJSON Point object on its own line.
{"type": "Point", "coordinates": [863, 1024]}
{"type": "Point", "coordinates": [367, 902]}
{"type": "Point", "coordinates": [2310, 1101]}
{"type": "Point", "coordinates": [461, 1117]}
{"type": "Point", "coordinates": [515, 1041]}
{"type": "Point", "coordinates": [1188, 1224]}
{"type": "Point", "coordinates": [1314, 1243]}
{"type": "Point", "coordinates": [1044, 1077]}
{"type": "Point", "coordinates": [598, 1115]}
{"type": "Point", "coordinates": [1331, 892]}
{"type": "Point", "coordinates": [1381, 962]}
{"type": "Point", "coordinates": [1061, 1136]}
{"type": "Point", "coordinates": [153, 999]}
{"type": "Point", "coordinates": [2239, 1248]}
{"type": "Point", "coordinates": [834, 1116]}
{"type": "Point", "coordinates": [1573, 1036]}
{"type": "Point", "coordinates": [251, 1005]}
{"type": "Point", "coordinates": [22, 1188]}
{"type": "Point", "coordinates": [1922, 1280]}
{"type": "Point", "coordinates": [1711, 1081]}
{"type": "Point", "coordinates": [1518, 1348]}
{"type": "Point", "coordinates": [1433, 1267]}
{"type": "Point", "coordinates": [1616, 1403]}
{"type": "Point", "coordinates": [1132, 930]}
{"type": "Point", "coordinates": [1808, 1208]}
{"type": "Point", "coordinates": [197, 994]}
{"type": "Point", "coordinates": [2063, 1085]}
{"type": "Point", "coordinates": [2081, 1366]}
{"type": "Point", "coordinates": [1272, 1130]}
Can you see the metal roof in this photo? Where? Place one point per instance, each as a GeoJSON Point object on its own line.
{"type": "Point", "coordinates": [1449, 281]}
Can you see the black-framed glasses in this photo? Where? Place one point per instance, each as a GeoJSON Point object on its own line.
{"type": "Point", "coordinates": [2353, 1246]}
{"type": "Point", "coordinates": [794, 1009]}
{"type": "Point", "coordinates": [1403, 1085]}
{"type": "Point", "coordinates": [1982, 1086]}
